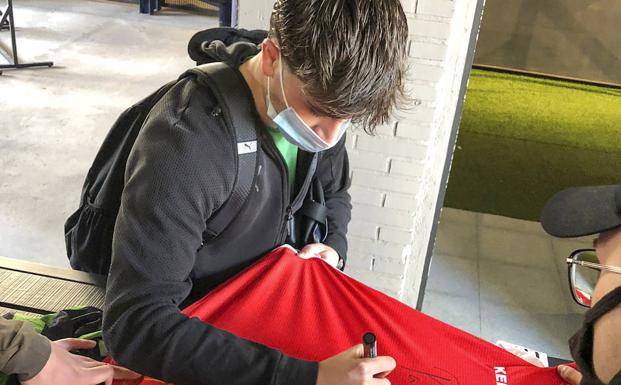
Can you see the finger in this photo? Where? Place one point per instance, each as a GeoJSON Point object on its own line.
{"type": "Point", "coordinates": [356, 351]}
{"type": "Point", "coordinates": [100, 374]}
{"type": "Point", "coordinates": [88, 362]}
{"type": "Point", "coordinates": [380, 364]}
{"type": "Point", "coordinates": [330, 256]}
{"type": "Point", "coordinates": [383, 374]}
{"type": "Point", "coordinates": [328, 253]}
{"type": "Point", "coordinates": [569, 374]}
{"type": "Point", "coordinates": [75, 343]}
{"type": "Point", "coordinates": [312, 249]}
{"type": "Point", "coordinates": [380, 381]}
{"type": "Point", "coordinates": [121, 373]}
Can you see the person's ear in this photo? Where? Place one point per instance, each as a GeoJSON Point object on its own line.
{"type": "Point", "coordinates": [269, 57]}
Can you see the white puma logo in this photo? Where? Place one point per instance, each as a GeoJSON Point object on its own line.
{"type": "Point", "coordinates": [246, 147]}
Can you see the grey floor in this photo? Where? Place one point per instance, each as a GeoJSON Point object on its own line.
{"type": "Point", "coordinates": [503, 279]}
{"type": "Point", "coordinates": [495, 277]}
{"type": "Point", "coordinates": [107, 56]}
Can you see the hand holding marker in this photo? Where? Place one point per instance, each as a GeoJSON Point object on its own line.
{"type": "Point", "coordinates": [369, 342]}
{"type": "Point", "coordinates": [357, 365]}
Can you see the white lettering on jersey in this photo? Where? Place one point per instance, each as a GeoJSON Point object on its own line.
{"type": "Point", "coordinates": [501, 375]}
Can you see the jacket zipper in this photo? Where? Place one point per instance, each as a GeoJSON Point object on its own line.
{"type": "Point", "coordinates": [297, 202]}
{"type": "Point", "coordinates": [286, 207]}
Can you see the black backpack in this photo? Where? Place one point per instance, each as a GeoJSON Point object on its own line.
{"type": "Point", "coordinates": [89, 230]}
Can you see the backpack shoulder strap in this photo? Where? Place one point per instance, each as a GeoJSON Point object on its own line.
{"type": "Point", "coordinates": [231, 92]}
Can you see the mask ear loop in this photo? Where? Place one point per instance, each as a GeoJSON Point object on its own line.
{"type": "Point", "coordinates": [282, 78]}
{"type": "Point", "coordinates": [282, 86]}
{"type": "Point", "coordinates": [269, 98]}
{"type": "Point", "coordinates": [271, 112]}
{"type": "Point", "coordinates": [267, 82]}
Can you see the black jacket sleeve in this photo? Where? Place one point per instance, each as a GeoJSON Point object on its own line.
{"type": "Point", "coordinates": [333, 172]}
{"type": "Point", "coordinates": [174, 182]}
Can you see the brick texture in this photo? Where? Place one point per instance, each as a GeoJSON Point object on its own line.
{"type": "Point", "coordinates": [414, 147]}
{"type": "Point", "coordinates": [442, 8]}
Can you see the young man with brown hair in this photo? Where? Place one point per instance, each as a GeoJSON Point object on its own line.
{"type": "Point", "coordinates": [325, 64]}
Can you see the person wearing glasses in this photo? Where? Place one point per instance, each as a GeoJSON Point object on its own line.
{"type": "Point", "coordinates": [594, 278]}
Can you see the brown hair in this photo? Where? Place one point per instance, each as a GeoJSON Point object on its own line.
{"type": "Point", "coordinates": [351, 55]}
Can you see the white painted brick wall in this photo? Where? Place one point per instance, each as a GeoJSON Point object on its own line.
{"type": "Point", "coordinates": [429, 29]}
{"type": "Point", "coordinates": [396, 174]}
{"type": "Point", "coordinates": [392, 146]}
{"type": "Point", "coordinates": [407, 168]}
{"type": "Point", "coordinates": [426, 50]}
{"type": "Point", "coordinates": [254, 14]}
{"type": "Point", "coordinates": [383, 181]}
{"type": "Point", "coordinates": [430, 71]}
{"type": "Point", "coordinates": [367, 161]}
{"type": "Point", "coordinates": [412, 129]}
{"type": "Point", "coordinates": [409, 6]}
{"type": "Point", "coordinates": [365, 230]}
{"type": "Point", "coordinates": [400, 201]}
{"type": "Point", "coordinates": [382, 216]}
{"type": "Point", "coordinates": [443, 8]}
{"type": "Point", "coordinates": [448, 89]}
{"type": "Point", "coordinates": [367, 196]}
{"type": "Point", "coordinates": [393, 234]}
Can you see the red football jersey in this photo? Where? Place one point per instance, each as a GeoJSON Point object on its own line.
{"type": "Point", "coordinates": [310, 310]}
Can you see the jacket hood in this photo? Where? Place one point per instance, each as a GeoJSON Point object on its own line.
{"type": "Point", "coordinates": [230, 45]}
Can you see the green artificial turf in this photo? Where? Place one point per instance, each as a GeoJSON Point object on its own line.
{"type": "Point", "coordinates": [522, 139]}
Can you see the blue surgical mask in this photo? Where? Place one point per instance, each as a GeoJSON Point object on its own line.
{"type": "Point", "coordinates": [293, 128]}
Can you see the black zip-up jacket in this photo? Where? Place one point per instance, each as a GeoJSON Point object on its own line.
{"type": "Point", "coordinates": [178, 174]}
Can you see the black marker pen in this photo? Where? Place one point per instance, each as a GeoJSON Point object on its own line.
{"type": "Point", "coordinates": [370, 345]}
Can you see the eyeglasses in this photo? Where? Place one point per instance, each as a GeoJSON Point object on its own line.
{"type": "Point", "coordinates": [584, 270]}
